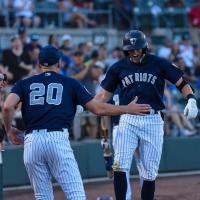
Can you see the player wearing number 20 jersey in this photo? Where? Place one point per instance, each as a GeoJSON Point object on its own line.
{"type": "Point", "coordinates": [52, 98]}
{"type": "Point", "coordinates": [48, 108]}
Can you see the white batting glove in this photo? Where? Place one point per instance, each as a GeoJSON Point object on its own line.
{"type": "Point", "coordinates": [191, 109]}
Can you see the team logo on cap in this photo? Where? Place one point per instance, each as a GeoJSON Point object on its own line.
{"type": "Point", "coordinates": [133, 41]}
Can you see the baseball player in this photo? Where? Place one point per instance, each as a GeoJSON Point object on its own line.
{"type": "Point", "coordinates": [141, 75]}
{"type": "Point", "coordinates": [49, 103]}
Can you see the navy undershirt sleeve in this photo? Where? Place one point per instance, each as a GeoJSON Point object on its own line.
{"type": "Point", "coordinates": [171, 72]}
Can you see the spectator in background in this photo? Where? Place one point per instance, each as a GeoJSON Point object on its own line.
{"type": "Point", "coordinates": [86, 7]}
{"type": "Point", "coordinates": [33, 43]}
{"type": "Point", "coordinates": [66, 61]}
{"type": "Point", "coordinates": [92, 59]}
{"type": "Point", "coordinates": [186, 52]}
{"type": "Point", "coordinates": [73, 16]}
{"type": "Point", "coordinates": [66, 41]}
{"type": "Point", "coordinates": [194, 19]}
{"type": "Point", "coordinates": [53, 40]}
{"type": "Point", "coordinates": [5, 7]}
{"type": "Point", "coordinates": [125, 7]}
{"type": "Point", "coordinates": [102, 52]}
{"type": "Point", "coordinates": [78, 70]}
{"type": "Point", "coordinates": [116, 55]}
{"type": "Point", "coordinates": [87, 48]}
{"type": "Point", "coordinates": [34, 55]}
{"type": "Point", "coordinates": [90, 124]}
{"type": "Point", "coordinates": [175, 51]}
{"type": "Point", "coordinates": [175, 3]}
{"type": "Point", "coordinates": [24, 13]}
{"type": "Point", "coordinates": [66, 48]}
{"type": "Point", "coordinates": [179, 61]}
{"type": "Point", "coordinates": [16, 60]}
{"type": "Point", "coordinates": [83, 72]}
{"type": "Point", "coordinates": [34, 61]}
{"type": "Point", "coordinates": [165, 50]}
{"type": "Point", "coordinates": [23, 35]}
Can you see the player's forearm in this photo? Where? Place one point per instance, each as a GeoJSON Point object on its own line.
{"type": "Point", "coordinates": [8, 114]}
{"type": "Point", "coordinates": [184, 87]}
{"type": "Point", "coordinates": [109, 109]}
{"type": "Point", "coordinates": [187, 90]}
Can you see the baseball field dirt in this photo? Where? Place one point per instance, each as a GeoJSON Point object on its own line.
{"type": "Point", "coordinates": [168, 188]}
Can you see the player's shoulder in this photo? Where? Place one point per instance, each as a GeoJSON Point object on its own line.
{"type": "Point", "coordinates": [158, 60]}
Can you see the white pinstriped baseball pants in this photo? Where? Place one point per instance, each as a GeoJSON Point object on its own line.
{"type": "Point", "coordinates": [145, 131]}
{"type": "Point", "coordinates": [128, 193]}
{"type": "Point", "coordinates": [48, 154]}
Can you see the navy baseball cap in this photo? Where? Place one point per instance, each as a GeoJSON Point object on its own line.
{"type": "Point", "coordinates": [49, 56]}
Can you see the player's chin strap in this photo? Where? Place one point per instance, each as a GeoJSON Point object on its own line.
{"type": "Point", "coordinates": [182, 85]}
{"type": "Point", "coordinates": [143, 58]}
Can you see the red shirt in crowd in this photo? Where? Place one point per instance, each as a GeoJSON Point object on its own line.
{"type": "Point", "coordinates": [194, 16]}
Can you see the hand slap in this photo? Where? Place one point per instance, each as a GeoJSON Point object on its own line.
{"type": "Point", "coordinates": [139, 109]}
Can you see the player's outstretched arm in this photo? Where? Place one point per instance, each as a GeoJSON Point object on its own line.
{"type": "Point", "coordinates": [100, 108]}
{"type": "Point", "coordinates": [191, 109]}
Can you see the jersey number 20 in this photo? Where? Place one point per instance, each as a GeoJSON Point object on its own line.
{"type": "Point", "coordinates": [53, 94]}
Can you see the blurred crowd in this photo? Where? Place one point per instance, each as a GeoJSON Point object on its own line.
{"type": "Point", "coordinates": [88, 63]}
{"type": "Point", "coordinates": [83, 13]}
{"type": "Point", "coordinates": [29, 13]}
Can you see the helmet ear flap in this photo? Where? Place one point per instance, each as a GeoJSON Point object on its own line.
{"type": "Point", "coordinates": [125, 53]}
{"type": "Point", "coordinates": [144, 51]}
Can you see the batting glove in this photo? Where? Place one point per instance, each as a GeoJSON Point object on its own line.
{"type": "Point", "coordinates": [191, 109]}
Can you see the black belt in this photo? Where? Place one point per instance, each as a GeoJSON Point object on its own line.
{"type": "Point", "coordinates": [48, 130]}
{"type": "Point", "coordinates": [152, 113]}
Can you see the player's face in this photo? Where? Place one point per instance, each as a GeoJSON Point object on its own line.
{"type": "Point", "coordinates": [135, 55]}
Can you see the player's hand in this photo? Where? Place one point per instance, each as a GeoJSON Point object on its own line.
{"type": "Point", "coordinates": [15, 136]}
{"type": "Point", "coordinates": [3, 84]}
{"type": "Point", "coordinates": [191, 109]}
{"type": "Point", "coordinates": [4, 81]}
{"type": "Point", "coordinates": [138, 109]}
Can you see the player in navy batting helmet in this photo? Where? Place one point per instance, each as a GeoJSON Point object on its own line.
{"type": "Point", "coordinates": [143, 75]}
{"type": "Point", "coordinates": [133, 40]}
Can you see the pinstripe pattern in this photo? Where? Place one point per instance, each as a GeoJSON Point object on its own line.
{"type": "Point", "coordinates": [128, 193]}
{"type": "Point", "coordinates": [145, 131]}
{"type": "Point", "coordinates": [48, 154]}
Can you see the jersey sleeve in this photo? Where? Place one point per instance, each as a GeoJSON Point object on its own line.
{"type": "Point", "coordinates": [82, 94]}
{"type": "Point", "coordinates": [18, 89]}
{"type": "Point", "coordinates": [171, 72]}
{"type": "Point", "coordinates": [110, 81]}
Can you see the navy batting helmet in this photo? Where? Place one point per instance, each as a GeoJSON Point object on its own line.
{"type": "Point", "coordinates": [134, 39]}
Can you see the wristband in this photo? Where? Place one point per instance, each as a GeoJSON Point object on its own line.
{"type": "Point", "coordinates": [189, 96]}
